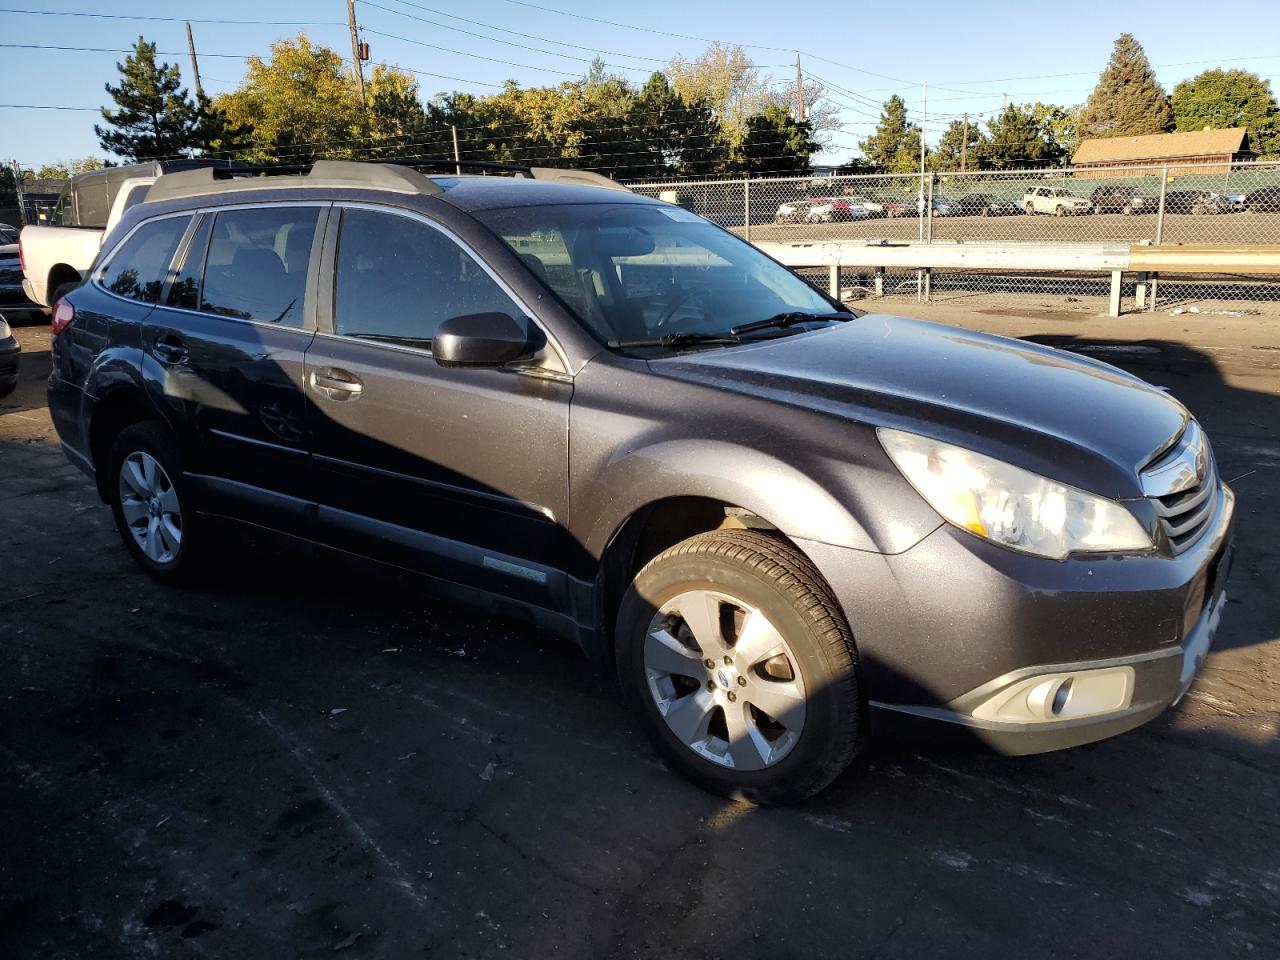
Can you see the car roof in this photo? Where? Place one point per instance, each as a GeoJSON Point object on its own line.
{"type": "Point", "coordinates": [534, 186]}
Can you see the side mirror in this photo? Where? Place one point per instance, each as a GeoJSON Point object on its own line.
{"type": "Point", "coordinates": [481, 340]}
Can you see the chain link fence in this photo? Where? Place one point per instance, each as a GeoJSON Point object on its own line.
{"type": "Point", "coordinates": [1219, 203]}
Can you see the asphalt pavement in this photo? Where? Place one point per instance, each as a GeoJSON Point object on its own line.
{"type": "Point", "coordinates": [306, 758]}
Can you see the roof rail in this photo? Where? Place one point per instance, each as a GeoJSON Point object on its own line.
{"type": "Point", "coordinates": [548, 174]}
{"type": "Point", "coordinates": [397, 175]}
{"type": "Point", "coordinates": [322, 173]}
{"type": "Point", "coordinates": [585, 177]}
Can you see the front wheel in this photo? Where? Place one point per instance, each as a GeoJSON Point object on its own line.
{"type": "Point", "coordinates": [1059, 211]}
{"type": "Point", "coordinates": [739, 663]}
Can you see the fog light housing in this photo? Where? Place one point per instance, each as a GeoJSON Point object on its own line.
{"type": "Point", "coordinates": [1050, 697]}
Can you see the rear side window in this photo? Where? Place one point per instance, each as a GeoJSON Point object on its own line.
{"type": "Point", "coordinates": [137, 269]}
{"type": "Point", "coordinates": [256, 264]}
{"type": "Point", "coordinates": [399, 279]}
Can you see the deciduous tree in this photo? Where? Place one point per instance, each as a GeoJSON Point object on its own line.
{"type": "Point", "coordinates": [1229, 98]}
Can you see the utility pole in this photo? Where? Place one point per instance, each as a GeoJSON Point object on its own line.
{"type": "Point", "coordinates": [964, 143]}
{"type": "Point", "coordinates": [195, 64]}
{"type": "Point", "coordinates": [1004, 102]}
{"type": "Point", "coordinates": [799, 91]}
{"type": "Point", "coordinates": [457, 157]}
{"type": "Point", "coordinates": [357, 65]}
{"type": "Point", "coordinates": [924, 118]}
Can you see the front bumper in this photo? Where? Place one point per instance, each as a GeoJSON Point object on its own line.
{"type": "Point", "coordinates": [959, 636]}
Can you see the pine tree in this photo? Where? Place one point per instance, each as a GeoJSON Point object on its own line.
{"type": "Point", "coordinates": [1128, 100]}
{"type": "Point", "coordinates": [1015, 138]}
{"type": "Point", "coordinates": [773, 141]}
{"type": "Point", "coordinates": [895, 146]}
{"type": "Point", "coordinates": [155, 117]}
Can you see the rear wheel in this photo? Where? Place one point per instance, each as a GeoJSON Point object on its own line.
{"type": "Point", "coordinates": [735, 656]}
{"type": "Point", "coordinates": [152, 503]}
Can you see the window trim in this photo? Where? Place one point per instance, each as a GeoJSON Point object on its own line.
{"type": "Point", "coordinates": [328, 291]}
{"type": "Point", "coordinates": [107, 261]}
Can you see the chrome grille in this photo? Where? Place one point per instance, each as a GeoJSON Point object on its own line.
{"type": "Point", "coordinates": [1181, 483]}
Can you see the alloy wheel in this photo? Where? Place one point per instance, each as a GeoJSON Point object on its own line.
{"type": "Point", "coordinates": [150, 506]}
{"type": "Point", "coordinates": [725, 680]}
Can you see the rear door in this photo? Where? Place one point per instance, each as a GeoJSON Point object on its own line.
{"type": "Point", "coordinates": [459, 473]}
{"type": "Point", "coordinates": [228, 340]}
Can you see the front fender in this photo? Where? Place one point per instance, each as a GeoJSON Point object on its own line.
{"type": "Point", "coordinates": [802, 505]}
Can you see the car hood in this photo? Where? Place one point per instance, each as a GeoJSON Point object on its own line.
{"type": "Point", "coordinates": [1068, 417]}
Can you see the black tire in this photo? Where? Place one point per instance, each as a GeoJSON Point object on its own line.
{"type": "Point", "coordinates": [777, 580]}
{"type": "Point", "coordinates": [151, 438]}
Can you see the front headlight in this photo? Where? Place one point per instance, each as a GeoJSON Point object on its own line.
{"type": "Point", "coordinates": [5, 332]}
{"type": "Point", "coordinates": [1011, 506]}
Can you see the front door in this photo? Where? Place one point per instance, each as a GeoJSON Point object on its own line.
{"type": "Point", "coordinates": [458, 473]}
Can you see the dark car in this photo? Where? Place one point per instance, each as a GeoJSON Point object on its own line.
{"type": "Point", "coordinates": [1113, 198]}
{"type": "Point", "coordinates": [1263, 200]}
{"type": "Point", "coordinates": [1199, 202]}
{"type": "Point", "coordinates": [8, 234]}
{"type": "Point", "coordinates": [985, 205]}
{"type": "Point", "coordinates": [10, 357]}
{"type": "Point", "coordinates": [11, 294]}
{"type": "Point", "coordinates": [782, 525]}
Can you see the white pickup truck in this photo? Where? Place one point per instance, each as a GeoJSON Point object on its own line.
{"type": "Point", "coordinates": [57, 255]}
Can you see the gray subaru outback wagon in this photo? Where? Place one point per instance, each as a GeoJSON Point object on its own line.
{"type": "Point", "coordinates": [784, 526]}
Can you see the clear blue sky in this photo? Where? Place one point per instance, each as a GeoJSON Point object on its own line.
{"type": "Point", "coordinates": [969, 53]}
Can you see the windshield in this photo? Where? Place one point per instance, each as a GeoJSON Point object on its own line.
{"type": "Point", "coordinates": [632, 271]}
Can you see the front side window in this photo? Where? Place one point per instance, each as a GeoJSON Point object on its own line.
{"type": "Point", "coordinates": [398, 279]}
{"type": "Point", "coordinates": [257, 261]}
{"type": "Point", "coordinates": [633, 271]}
{"type": "Point", "coordinates": [138, 267]}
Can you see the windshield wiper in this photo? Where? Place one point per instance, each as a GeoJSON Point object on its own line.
{"type": "Point", "coordinates": [787, 319]}
{"type": "Point", "coordinates": [676, 340]}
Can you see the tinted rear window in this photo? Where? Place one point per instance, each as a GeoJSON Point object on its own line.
{"type": "Point", "coordinates": [137, 269]}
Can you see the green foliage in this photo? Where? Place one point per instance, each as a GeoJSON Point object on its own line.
{"type": "Point", "coordinates": [774, 142]}
{"type": "Point", "coordinates": [154, 115]}
{"type": "Point", "coordinates": [895, 145]}
{"type": "Point", "coordinates": [65, 169]}
{"type": "Point", "coordinates": [1230, 98]}
{"type": "Point", "coordinates": [951, 152]}
{"type": "Point", "coordinates": [1021, 136]}
{"type": "Point", "coordinates": [300, 103]}
{"type": "Point", "coordinates": [1127, 101]}
{"type": "Point", "coordinates": [1059, 128]}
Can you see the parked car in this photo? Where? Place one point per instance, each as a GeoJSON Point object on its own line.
{"type": "Point", "coordinates": [985, 205]}
{"type": "Point", "coordinates": [782, 524]}
{"type": "Point", "coordinates": [874, 208]}
{"type": "Point", "coordinates": [1199, 202]}
{"type": "Point", "coordinates": [900, 208]}
{"type": "Point", "coordinates": [56, 256]}
{"type": "Point", "coordinates": [11, 276]}
{"type": "Point", "coordinates": [792, 211]}
{"type": "Point", "coordinates": [10, 358]}
{"type": "Point", "coordinates": [1263, 200]}
{"type": "Point", "coordinates": [1056, 200]}
{"type": "Point", "coordinates": [8, 234]}
{"type": "Point", "coordinates": [943, 206]}
{"type": "Point", "coordinates": [1116, 198]}
{"type": "Point", "coordinates": [830, 209]}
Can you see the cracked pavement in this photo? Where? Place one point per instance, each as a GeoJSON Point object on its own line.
{"type": "Point", "coordinates": [306, 756]}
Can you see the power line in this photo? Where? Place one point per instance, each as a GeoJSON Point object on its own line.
{"type": "Point", "coordinates": [121, 16]}
{"type": "Point", "coordinates": [510, 43]}
{"type": "Point", "coordinates": [528, 36]}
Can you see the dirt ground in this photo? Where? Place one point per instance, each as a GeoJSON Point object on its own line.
{"type": "Point", "coordinates": [302, 759]}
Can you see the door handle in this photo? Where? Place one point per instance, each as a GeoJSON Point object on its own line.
{"type": "Point", "coordinates": [170, 348]}
{"type": "Point", "coordinates": [336, 384]}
